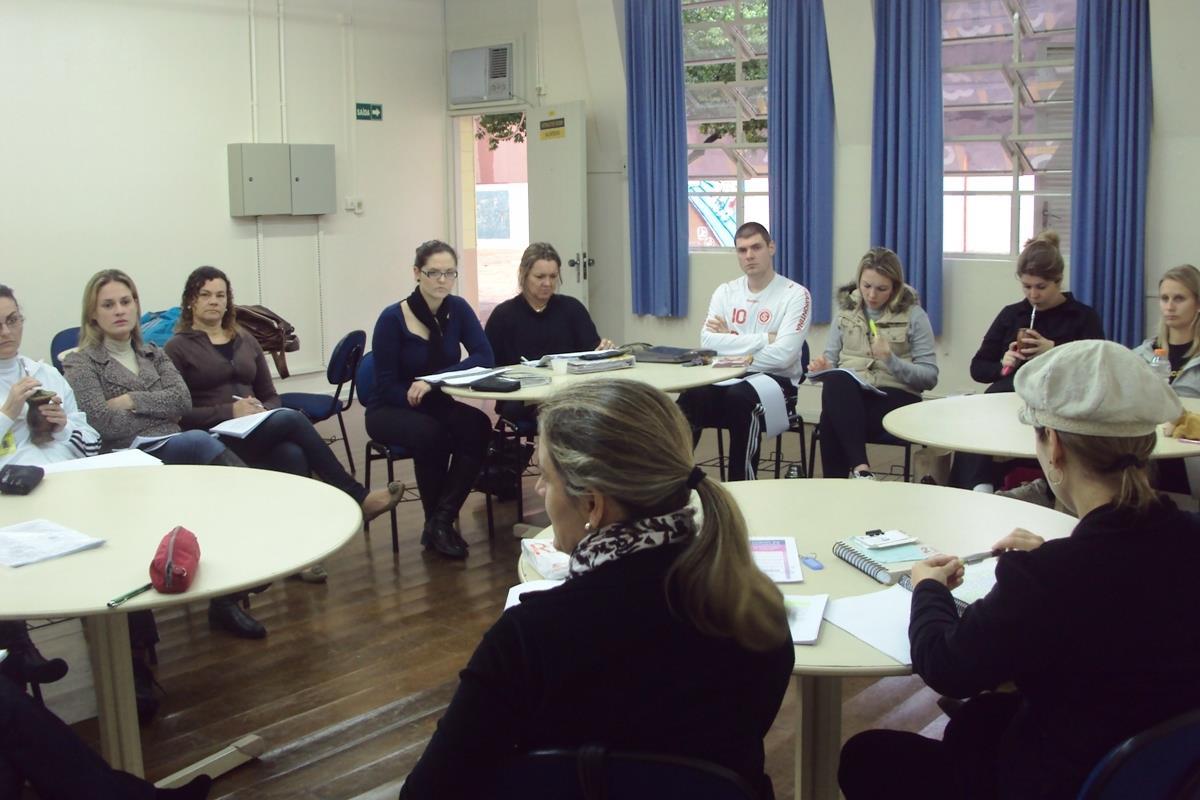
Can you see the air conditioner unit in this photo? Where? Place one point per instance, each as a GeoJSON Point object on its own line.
{"type": "Point", "coordinates": [481, 74]}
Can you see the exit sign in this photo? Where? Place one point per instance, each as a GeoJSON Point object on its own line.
{"type": "Point", "coordinates": [369, 111]}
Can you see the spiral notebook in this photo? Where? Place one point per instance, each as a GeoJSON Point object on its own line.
{"type": "Point", "coordinates": [978, 580]}
{"type": "Point", "coordinates": [886, 565]}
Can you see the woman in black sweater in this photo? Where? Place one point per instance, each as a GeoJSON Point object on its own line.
{"type": "Point", "coordinates": [1046, 318]}
{"type": "Point", "coordinates": [665, 637]}
{"type": "Point", "coordinates": [1093, 629]}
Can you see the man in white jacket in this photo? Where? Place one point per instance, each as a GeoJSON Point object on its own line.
{"type": "Point", "coordinates": [764, 317]}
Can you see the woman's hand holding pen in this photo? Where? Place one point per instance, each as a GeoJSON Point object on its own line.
{"type": "Point", "coordinates": [1019, 539]}
{"type": "Point", "coordinates": [946, 570]}
{"type": "Point", "coordinates": [245, 406]}
{"type": "Point", "coordinates": [881, 348]}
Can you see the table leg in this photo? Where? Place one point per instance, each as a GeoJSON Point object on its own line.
{"type": "Point", "coordinates": [112, 669]}
{"type": "Point", "coordinates": [818, 736]}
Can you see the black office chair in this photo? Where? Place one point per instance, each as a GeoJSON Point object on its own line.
{"type": "Point", "coordinates": [342, 366]}
{"type": "Point", "coordinates": [594, 773]}
{"type": "Point", "coordinates": [1162, 763]}
{"type": "Point", "coordinates": [381, 451]}
{"type": "Point", "coordinates": [63, 340]}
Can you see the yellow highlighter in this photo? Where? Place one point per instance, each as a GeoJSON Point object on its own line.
{"type": "Point", "coordinates": [871, 324]}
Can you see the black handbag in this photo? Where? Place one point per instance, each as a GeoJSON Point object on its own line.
{"type": "Point", "coordinates": [495, 383]}
{"type": "Point", "coordinates": [19, 478]}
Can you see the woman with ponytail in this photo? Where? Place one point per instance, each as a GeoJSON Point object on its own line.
{"type": "Point", "coordinates": [664, 638]}
{"type": "Point", "coordinates": [1093, 629]}
{"type": "Point", "coordinates": [423, 334]}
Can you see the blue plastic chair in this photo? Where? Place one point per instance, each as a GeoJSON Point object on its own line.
{"type": "Point", "coordinates": [1162, 763]}
{"type": "Point", "coordinates": [342, 366]}
{"type": "Point", "coordinates": [63, 340]}
{"type": "Point", "coordinates": [380, 451]}
{"type": "Point", "coordinates": [594, 773]}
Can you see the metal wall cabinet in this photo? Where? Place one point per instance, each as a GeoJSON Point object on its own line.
{"type": "Point", "coordinates": [291, 179]}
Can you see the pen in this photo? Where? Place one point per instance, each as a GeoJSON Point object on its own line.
{"type": "Point", "coordinates": [129, 595]}
{"type": "Point", "coordinates": [975, 558]}
{"type": "Point", "coordinates": [238, 397]}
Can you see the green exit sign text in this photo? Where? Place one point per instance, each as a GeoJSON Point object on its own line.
{"type": "Point", "coordinates": [369, 111]}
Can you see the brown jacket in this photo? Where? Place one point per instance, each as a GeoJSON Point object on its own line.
{"type": "Point", "coordinates": [160, 397]}
{"type": "Point", "coordinates": [214, 379]}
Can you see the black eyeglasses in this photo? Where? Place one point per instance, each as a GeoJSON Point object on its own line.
{"type": "Point", "coordinates": [437, 275]}
{"type": "Point", "coordinates": [13, 322]}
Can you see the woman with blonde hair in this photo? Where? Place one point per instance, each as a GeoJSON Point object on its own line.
{"type": "Point", "coordinates": [882, 334]}
{"type": "Point", "coordinates": [665, 637]}
{"type": "Point", "coordinates": [1179, 329]}
{"type": "Point", "coordinates": [1092, 629]}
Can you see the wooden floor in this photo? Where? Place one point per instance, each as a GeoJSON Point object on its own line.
{"type": "Point", "coordinates": [354, 674]}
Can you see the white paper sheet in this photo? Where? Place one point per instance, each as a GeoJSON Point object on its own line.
{"type": "Point", "coordinates": [514, 594]}
{"type": "Point", "coordinates": [40, 540]}
{"type": "Point", "coordinates": [770, 396]}
{"type": "Point", "coordinates": [545, 360]}
{"type": "Point", "coordinates": [805, 612]}
{"type": "Point", "coordinates": [777, 557]}
{"type": "Point", "coordinates": [148, 444]}
{"type": "Point", "coordinates": [117, 458]}
{"type": "Point", "coordinates": [880, 619]}
{"type": "Point", "coordinates": [241, 427]}
{"type": "Point", "coordinates": [549, 563]}
{"type": "Point", "coordinates": [821, 374]}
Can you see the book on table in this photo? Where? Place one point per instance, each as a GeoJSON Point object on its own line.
{"type": "Point", "coordinates": [886, 564]}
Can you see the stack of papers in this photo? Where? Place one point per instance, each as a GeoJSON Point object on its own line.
{"type": "Point", "coordinates": [880, 619]}
{"type": "Point", "coordinates": [461, 377]}
{"type": "Point", "coordinates": [40, 540]}
{"type": "Point", "coordinates": [578, 366]}
{"type": "Point", "coordinates": [545, 360]}
{"type": "Point", "coordinates": [550, 563]}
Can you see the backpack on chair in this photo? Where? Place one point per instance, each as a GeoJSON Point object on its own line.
{"type": "Point", "coordinates": [274, 334]}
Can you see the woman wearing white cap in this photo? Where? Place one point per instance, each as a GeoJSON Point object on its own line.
{"type": "Point", "coordinates": [1093, 629]}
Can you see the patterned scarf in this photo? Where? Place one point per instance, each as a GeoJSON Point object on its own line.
{"type": "Point", "coordinates": [622, 538]}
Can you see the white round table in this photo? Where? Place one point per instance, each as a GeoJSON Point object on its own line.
{"type": "Point", "coordinates": [253, 526]}
{"type": "Point", "coordinates": [988, 424]}
{"type": "Point", "coordinates": [667, 377]}
{"type": "Point", "coordinates": [818, 513]}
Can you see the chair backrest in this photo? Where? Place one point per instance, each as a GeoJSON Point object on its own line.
{"type": "Point", "coordinates": [63, 340]}
{"type": "Point", "coordinates": [1162, 763]}
{"type": "Point", "coordinates": [343, 362]}
{"type": "Point", "coordinates": [594, 773]}
{"type": "Point", "coordinates": [364, 377]}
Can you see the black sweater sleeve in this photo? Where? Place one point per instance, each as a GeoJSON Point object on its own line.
{"type": "Point", "coordinates": [986, 366]}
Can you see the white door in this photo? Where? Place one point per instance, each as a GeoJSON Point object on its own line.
{"type": "Point", "coordinates": [557, 158]}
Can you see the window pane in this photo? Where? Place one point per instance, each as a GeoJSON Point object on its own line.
{"type": "Point", "coordinates": [976, 88]}
{"type": "Point", "coordinates": [995, 121]}
{"type": "Point", "coordinates": [1048, 83]}
{"type": "Point", "coordinates": [1049, 118]}
{"type": "Point", "coordinates": [969, 19]}
{"type": "Point", "coordinates": [754, 164]}
{"type": "Point", "coordinates": [1052, 46]}
{"type": "Point", "coordinates": [711, 221]}
{"type": "Point", "coordinates": [710, 164]}
{"type": "Point", "coordinates": [712, 186]}
{"type": "Point", "coordinates": [754, 99]}
{"type": "Point", "coordinates": [754, 8]}
{"type": "Point", "coordinates": [1047, 154]}
{"type": "Point", "coordinates": [1047, 15]}
{"type": "Point", "coordinates": [989, 183]}
{"type": "Point", "coordinates": [710, 73]}
{"type": "Point", "coordinates": [951, 183]}
{"type": "Point", "coordinates": [968, 52]}
{"type": "Point", "coordinates": [757, 208]}
{"type": "Point", "coordinates": [710, 132]}
{"type": "Point", "coordinates": [987, 224]}
{"type": "Point", "coordinates": [707, 43]}
{"type": "Point", "coordinates": [708, 103]}
{"type": "Point", "coordinates": [953, 219]}
{"type": "Point", "coordinates": [1040, 212]}
{"type": "Point", "coordinates": [975, 157]}
{"type": "Point", "coordinates": [753, 36]}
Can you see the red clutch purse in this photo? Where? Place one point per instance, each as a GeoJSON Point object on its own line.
{"type": "Point", "coordinates": [174, 565]}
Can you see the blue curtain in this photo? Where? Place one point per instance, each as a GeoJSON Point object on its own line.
{"type": "Point", "coordinates": [658, 234]}
{"type": "Point", "coordinates": [906, 143]}
{"type": "Point", "coordinates": [800, 131]}
{"type": "Point", "coordinates": [1110, 162]}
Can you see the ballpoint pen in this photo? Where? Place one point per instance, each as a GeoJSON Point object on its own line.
{"type": "Point", "coordinates": [116, 601]}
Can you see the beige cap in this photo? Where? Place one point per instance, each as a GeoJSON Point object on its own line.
{"type": "Point", "coordinates": [1096, 388]}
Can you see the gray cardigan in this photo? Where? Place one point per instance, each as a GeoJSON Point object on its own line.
{"type": "Point", "coordinates": [1187, 382]}
{"type": "Point", "coordinates": [160, 397]}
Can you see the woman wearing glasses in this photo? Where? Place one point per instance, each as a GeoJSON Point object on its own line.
{"type": "Point", "coordinates": [424, 334]}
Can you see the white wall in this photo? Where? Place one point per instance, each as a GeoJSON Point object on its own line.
{"type": "Point", "coordinates": [116, 119]}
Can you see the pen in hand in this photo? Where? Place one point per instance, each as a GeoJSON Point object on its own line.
{"type": "Point", "coordinates": [236, 398]}
{"type": "Point", "coordinates": [116, 601]}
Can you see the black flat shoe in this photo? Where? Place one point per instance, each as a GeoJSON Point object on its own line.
{"type": "Point", "coordinates": [26, 665]}
{"type": "Point", "coordinates": [225, 614]}
{"type": "Point", "coordinates": [444, 540]}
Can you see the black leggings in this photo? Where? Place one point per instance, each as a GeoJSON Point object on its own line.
{"type": "Point", "coordinates": [448, 441]}
{"type": "Point", "coordinates": [850, 416]}
{"type": "Point", "coordinates": [287, 442]}
{"type": "Point", "coordinates": [735, 409]}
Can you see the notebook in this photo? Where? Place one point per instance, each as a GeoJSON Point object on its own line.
{"type": "Point", "coordinates": [978, 580]}
{"type": "Point", "coordinates": [822, 374]}
{"type": "Point", "coordinates": [886, 565]}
